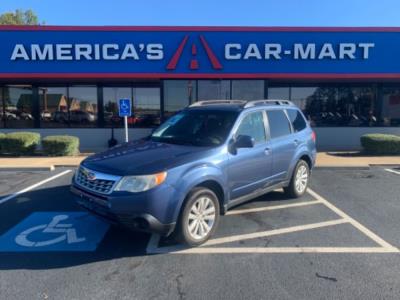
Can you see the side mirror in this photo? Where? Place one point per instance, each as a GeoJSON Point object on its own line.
{"type": "Point", "coordinates": [244, 141]}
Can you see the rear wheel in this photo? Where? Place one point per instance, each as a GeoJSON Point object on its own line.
{"type": "Point", "coordinates": [299, 181]}
{"type": "Point", "coordinates": [199, 217]}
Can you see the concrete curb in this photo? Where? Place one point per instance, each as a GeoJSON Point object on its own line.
{"type": "Point", "coordinates": [27, 169]}
{"type": "Point", "coordinates": [365, 168]}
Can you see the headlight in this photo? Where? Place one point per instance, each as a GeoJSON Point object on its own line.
{"type": "Point", "coordinates": [135, 184]}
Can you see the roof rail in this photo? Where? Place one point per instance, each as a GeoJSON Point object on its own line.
{"type": "Point", "coordinates": [252, 103]}
{"type": "Point", "coordinates": [218, 102]}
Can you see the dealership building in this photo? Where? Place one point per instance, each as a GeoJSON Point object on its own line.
{"type": "Point", "coordinates": [68, 80]}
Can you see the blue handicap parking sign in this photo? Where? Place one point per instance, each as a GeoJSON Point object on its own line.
{"type": "Point", "coordinates": [124, 107]}
{"type": "Point", "coordinates": [55, 231]}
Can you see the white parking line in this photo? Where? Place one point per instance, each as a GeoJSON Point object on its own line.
{"type": "Point", "coordinates": [393, 171]}
{"type": "Point", "coordinates": [256, 235]}
{"type": "Point", "coordinates": [273, 207]}
{"type": "Point", "coordinates": [270, 250]}
{"type": "Point", "coordinates": [384, 247]}
{"type": "Point", "coordinates": [353, 222]}
{"type": "Point", "coordinates": [12, 196]}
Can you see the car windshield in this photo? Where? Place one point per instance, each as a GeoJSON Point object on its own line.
{"type": "Point", "coordinates": [196, 127]}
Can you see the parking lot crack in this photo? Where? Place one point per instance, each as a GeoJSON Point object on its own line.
{"type": "Point", "coordinates": [326, 277]}
{"type": "Point", "coordinates": [178, 280]}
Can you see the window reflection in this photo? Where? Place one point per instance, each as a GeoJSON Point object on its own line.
{"type": "Point", "coordinates": [177, 95]}
{"type": "Point", "coordinates": [2, 114]}
{"type": "Point", "coordinates": [53, 106]}
{"type": "Point", "coordinates": [18, 103]}
{"type": "Point", "coordinates": [146, 102]}
{"type": "Point", "coordinates": [214, 89]}
{"type": "Point", "coordinates": [248, 89]}
{"type": "Point", "coordinates": [278, 93]}
{"type": "Point", "coordinates": [391, 106]}
{"type": "Point", "coordinates": [111, 96]}
{"type": "Point", "coordinates": [83, 106]}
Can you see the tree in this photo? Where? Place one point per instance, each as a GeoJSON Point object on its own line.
{"type": "Point", "coordinates": [19, 17]}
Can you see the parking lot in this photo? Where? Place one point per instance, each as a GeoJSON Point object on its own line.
{"type": "Point", "coordinates": [341, 240]}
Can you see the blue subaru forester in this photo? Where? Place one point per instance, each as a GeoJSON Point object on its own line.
{"type": "Point", "coordinates": [202, 161]}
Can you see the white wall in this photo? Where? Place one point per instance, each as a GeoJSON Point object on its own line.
{"type": "Point", "coordinates": [346, 138]}
{"type": "Point", "coordinates": [328, 139]}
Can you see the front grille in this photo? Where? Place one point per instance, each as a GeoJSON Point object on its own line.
{"type": "Point", "coordinates": [95, 181]}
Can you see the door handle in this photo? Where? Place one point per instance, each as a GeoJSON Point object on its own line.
{"type": "Point", "coordinates": [296, 142]}
{"type": "Point", "coordinates": [267, 151]}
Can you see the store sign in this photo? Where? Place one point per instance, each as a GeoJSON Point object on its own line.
{"type": "Point", "coordinates": [178, 52]}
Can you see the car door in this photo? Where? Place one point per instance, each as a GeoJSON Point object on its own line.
{"type": "Point", "coordinates": [283, 143]}
{"type": "Point", "coordinates": [250, 168]}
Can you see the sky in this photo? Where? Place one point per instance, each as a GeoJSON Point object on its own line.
{"type": "Point", "coordinates": [213, 12]}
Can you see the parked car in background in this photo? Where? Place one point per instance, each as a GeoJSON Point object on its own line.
{"type": "Point", "coordinates": [60, 116]}
{"type": "Point", "coordinates": [8, 115]}
{"type": "Point", "coordinates": [79, 116]}
{"type": "Point", "coordinates": [45, 115]}
{"type": "Point", "coordinates": [202, 161]}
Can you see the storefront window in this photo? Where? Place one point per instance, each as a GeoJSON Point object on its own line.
{"type": "Point", "coordinates": [177, 95]}
{"type": "Point", "coordinates": [18, 102]}
{"type": "Point", "coordinates": [53, 106]}
{"type": "Point", "coordinates": [342, 106]}
{"type": "Point", "coordinates": [2, 114]}
{"type": "Point", "coordinates": [279, 93]}
{"type": "Point", "coordinates": [111, 96]}
{"type": "Point", "coordinates": [299, 95]}
{"type": "Point", "coordinates": [214, 89]}
{"type": "Point", "coordinates": [83, 106]}
{"type": "Point", "coordinates": [390, 111]}
{"type": "Point", "coordinates": [248, 89]}
{"type": "Point", "coordinates": [146, 107]}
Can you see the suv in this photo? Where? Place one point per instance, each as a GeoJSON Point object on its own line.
{"type": "Point", "coordinates": [202, 161]}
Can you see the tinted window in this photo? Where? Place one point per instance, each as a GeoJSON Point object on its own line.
{"type": "Point", "coordinates": [18, 103]}
{"type": "Point", "coordinates": [196, 127]}
{"type": "Point", "coordinates": [253, 125]}
{"type": "Point", "coordinates": [213, 89]}
{"type": "Point", "coordinates": [177, 95]}
{"type": "Point", "coordinates": [248, 89]}
{"type": "Point", "coordinates": [111, 96]}
{"type": "Point", "coordinates": [83, 106]}
{"type": "Point", "coordinates": [278, 123]}
{"type": "Point", "coordinates": [296, 119]}
{"type": "Point", "coordinates": [53, 106]}
{"type": "Point", "coordinates": [146, 107]}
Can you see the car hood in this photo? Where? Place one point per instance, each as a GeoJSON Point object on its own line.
{"type": "Point", "coordinates": [144, 157]}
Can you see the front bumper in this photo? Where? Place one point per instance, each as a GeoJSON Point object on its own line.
{"type": "Point", "coordinates": [125, 215]}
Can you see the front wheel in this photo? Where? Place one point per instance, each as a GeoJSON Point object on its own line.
{"type": "Point", "coordinates": [199, 217]}
{"type": "Point", "coordinates": [299, 181]}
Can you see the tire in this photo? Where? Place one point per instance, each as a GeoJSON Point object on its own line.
{"type": "Point", "coordinates": [299, 181]}
{"type": "Point", "coordinates": [191, 228]}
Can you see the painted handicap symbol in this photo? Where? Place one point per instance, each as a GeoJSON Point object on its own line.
{"type": "Point", "coordinates": [66, 231]}
{"type": "Point", "coordinates": [55, 231]}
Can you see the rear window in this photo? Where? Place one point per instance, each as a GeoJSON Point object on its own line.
{"type": "Point", "coordinates": [278, 123]}
{"type": "Point", "coordinates": [297, 120]}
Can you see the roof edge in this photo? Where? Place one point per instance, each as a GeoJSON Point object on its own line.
{"type": "Point", "coordinates": [197, 28]}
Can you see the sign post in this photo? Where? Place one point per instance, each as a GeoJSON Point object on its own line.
{"type": "Point", "coordinates": [125, 110]}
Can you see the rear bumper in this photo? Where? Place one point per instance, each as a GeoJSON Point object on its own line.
{"type": "Point", "coordinates": [136, 221]}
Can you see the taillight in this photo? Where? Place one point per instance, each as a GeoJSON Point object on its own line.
{"type": "Point", "coordinates": [314, 136]}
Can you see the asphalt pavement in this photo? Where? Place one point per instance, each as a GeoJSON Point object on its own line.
{"type": "Point", "coordinates": [340, 240]}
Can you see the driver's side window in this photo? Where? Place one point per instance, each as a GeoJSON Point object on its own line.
{"type": "Point", "coordinates": [253, 125]}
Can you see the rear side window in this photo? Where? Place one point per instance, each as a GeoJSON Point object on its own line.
{"type": "Point", "coordinates": [278, 123]}
{"type": "Point", "coordinates": [296, 119]}
{"type": "Point", "coordinates": [253, 125]}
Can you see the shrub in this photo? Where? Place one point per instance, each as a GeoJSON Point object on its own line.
{"type": "Point", "coordinates": [377, 143]}
{"type": "Point", "coordinates": [60, 145]}
{"type": "Point", "coordinates": [19, 143]}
